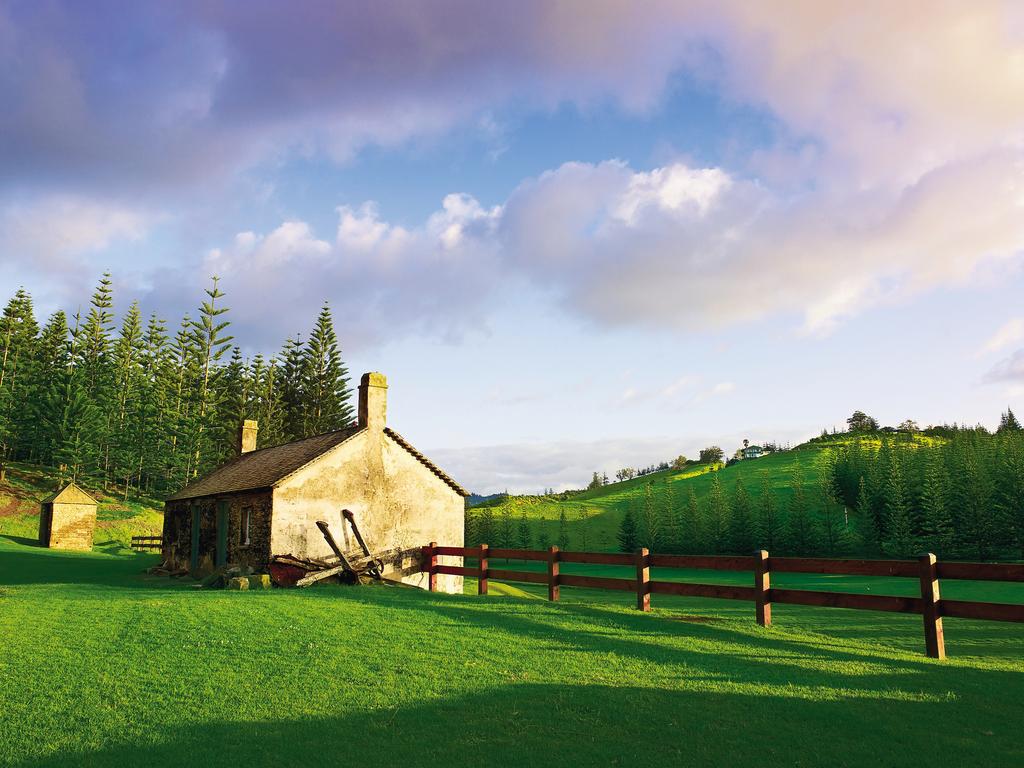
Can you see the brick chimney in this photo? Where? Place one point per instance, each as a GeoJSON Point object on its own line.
{"type": "Point", "coordinates": [247, 436]}
{"type": "Point", "coordinates": [373, 401]}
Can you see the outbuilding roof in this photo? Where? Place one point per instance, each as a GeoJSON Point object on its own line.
{"type": "Point", "coordinates": [266, 467]}
{"type": "Point", "coordinates": [69, 494]}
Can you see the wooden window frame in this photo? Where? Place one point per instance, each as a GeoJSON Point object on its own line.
{"type": "Point", "coordinates": [245, 527]}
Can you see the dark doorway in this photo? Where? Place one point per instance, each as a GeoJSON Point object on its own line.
{"type": "Point", "coordinates": [222, 533]}
{"type": "Point", "coordinates": [195, 538]}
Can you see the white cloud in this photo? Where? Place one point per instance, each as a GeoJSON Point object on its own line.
{"type": "Point", "coordinates": [1011, 332]}
{"type": "Point", "coordinates": [362, 229]}
{"type": "Point", "coordinates": [461, 216]}
{"type": "Point", "coordinates": [383, 280]}
{"type": "Point", "coordinates": [57, 244]}
{"type": "Point", "coordinates": [1010, 369]}
{"type": "Point", "coordinates": [675, 247]}
{"type": "Point", "coordinates": [670, 189]}
{"type": "Point", "coordinates": [678, 395]}
{"type": "Point", "coordinates": [751, 253]}
{"type": "Point", "coordinates": [681, 384]}
{"type": "Point", "coordinates": [56, 228]}
{"type": "Point", "coordinates": [629, 394]}
{"type": "Point", "coordinates": [717, 390]}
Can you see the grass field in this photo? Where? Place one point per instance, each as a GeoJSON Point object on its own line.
{"type": "Point", "coordinates": [104, 666]}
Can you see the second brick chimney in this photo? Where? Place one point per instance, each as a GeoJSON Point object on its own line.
{"type": "Point", "coordinates": [247, 436]}
{"type": "Point", "coordinates": [373, 401]}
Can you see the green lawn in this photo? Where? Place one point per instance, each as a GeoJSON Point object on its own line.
{"type": "Point", "coordinates": [104, 666]}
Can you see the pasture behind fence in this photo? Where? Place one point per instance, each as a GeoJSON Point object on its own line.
{"type": "Point", "coordinates": [141, 543]}
{"type": "Point", "coordinates": [926, 569]}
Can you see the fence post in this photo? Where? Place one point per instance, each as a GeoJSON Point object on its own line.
{"type": "Point", "coordinates": [430, 556]}
{"type": "Point", "coordinates": [762, 588]}
{"type": "Point", "coordinates": [481, 584]}
{"type": "Point", "coordinates": [934, 642]}
{"type": "Point", "coordinates": [643, 578]}
{"type": "Point", "coordinates": [553, 573]}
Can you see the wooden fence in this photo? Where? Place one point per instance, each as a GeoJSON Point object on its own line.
{"type": "Point", "coordinates": [147, 542]}
{"type": "Point", "coordinates": [926, 569]}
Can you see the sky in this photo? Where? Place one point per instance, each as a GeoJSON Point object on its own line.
{"type": "Point", "coordinates": [575, 236]}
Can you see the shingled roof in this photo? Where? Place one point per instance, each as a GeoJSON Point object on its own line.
{"type": "Point", "coordinates": [263, 468]}
{"type": "Point", "coordinates": [267, 467]}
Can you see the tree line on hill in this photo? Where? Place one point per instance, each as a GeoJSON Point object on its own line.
{"type": "Point", "coordinates": [955, 491]}
{"type": "Point", "coordinates": [506, 530]}
{"type": "Point", "coordinates": [710, 455]}
{"type": "Point", "coordinates": [958, 496]}
{"type": "Point", "coordinates": [961, 495]}
{"type": "Point", "coordinates": [737, 521]}
{"type": "Point", "coordinates": [145, 409]}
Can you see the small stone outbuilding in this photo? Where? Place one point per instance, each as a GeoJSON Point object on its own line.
{"type": "Point", "coordinates": [266, 502]}
{"type": "Point", "coordinates": [67, 519]}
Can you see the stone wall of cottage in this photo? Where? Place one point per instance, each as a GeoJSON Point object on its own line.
{"type": "Point", "coordinates": [177, 531]}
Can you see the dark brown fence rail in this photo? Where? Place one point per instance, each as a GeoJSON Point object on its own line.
{"type": "Point", "coordinates": [147, 542]}
{"type": "Point", "coordinates": [926, 569]}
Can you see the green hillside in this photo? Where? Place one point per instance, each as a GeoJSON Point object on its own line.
{"type": "Point", "coordinates": [116, 520]}
{"type": "Point", "coordinates": [593, 516]}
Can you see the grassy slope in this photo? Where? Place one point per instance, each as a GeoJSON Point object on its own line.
{"type": "Point", "coordinates": [603, 508]}
{"type": "Point", "coordinates": [116, 521]}
{"type": "Point", "coordinates": [104, 666]}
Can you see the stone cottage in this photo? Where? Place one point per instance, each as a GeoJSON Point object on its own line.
{"type": "Point", "coordinates": [266, 502]}
{"type": "Point", "coordinates": [67, 519]}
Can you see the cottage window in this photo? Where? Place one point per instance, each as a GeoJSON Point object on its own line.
{"type": "Point", "coordinates": [243, 532]}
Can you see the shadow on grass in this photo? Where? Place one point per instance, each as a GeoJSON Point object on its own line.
{"type": "Point", "coordinates": [743, 653]}
{"type": "Point", "coordinates": [708, 653]}
{"type": "Point", "coordinates": [22, 540]}
{"type": "Point", "coordinates": [28, 563]}
{"type": "Point", "coordinates": [843, 626]}
{"type": "Point", "coordinates": [536, 724]}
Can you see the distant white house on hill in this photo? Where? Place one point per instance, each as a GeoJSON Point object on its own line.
{"type": "Point", "coordinates": [749, 452]}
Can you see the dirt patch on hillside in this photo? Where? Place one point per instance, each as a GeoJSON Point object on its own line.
{"type": "Point", "coordinates": [16, 507]}
{"type": "Point", "coordinates": [23, 494]}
